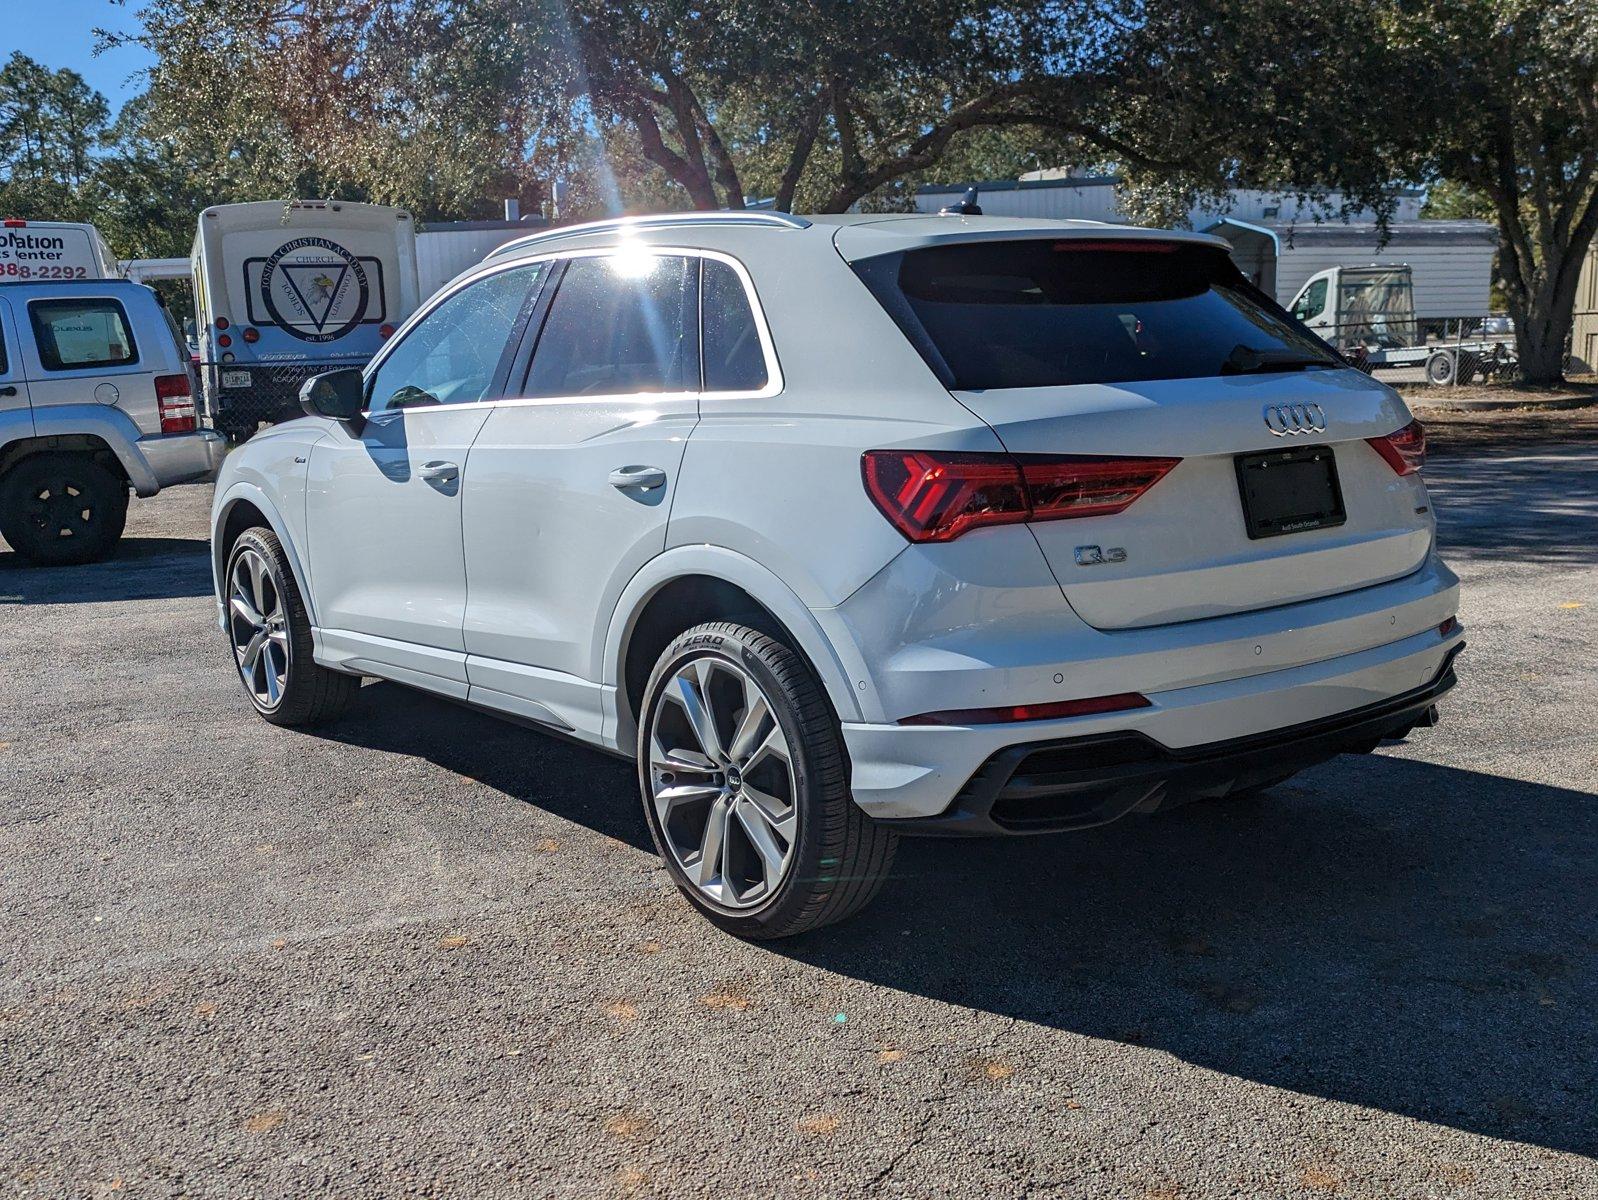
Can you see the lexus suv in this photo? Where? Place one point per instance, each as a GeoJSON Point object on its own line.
{"type": "Point", "coordinates": [854, 526]}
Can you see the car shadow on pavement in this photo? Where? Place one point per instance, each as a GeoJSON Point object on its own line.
{"type": "Point", "coordinates": [1537, 506]}
{"type": "Point", "coordinates": [1380, 932]}
{"type": "Point", "coordinates": [569, 780]}
{"type": "Point", "coordinates": [1377, 931]}
{"type": "Point", "coordinates": [143, 568]}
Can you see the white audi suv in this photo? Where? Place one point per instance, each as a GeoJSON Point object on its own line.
{"type": "Point", "coordinates": [853, 526]}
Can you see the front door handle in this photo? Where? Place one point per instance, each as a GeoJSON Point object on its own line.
{"type": "Point", "coordinates": [8, 390]}
{"type": "Point", "coordinates": [439, 472]}
{"type": "Point", "coordinates": [645, 479]}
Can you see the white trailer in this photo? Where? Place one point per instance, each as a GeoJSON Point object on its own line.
{"type": "Point", "coordinates": [446, 248]}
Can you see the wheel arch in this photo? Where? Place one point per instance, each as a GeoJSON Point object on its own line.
{"type": "Point", "coordinates": [242, 506]}
{"type": "Point", "coordinates": [687, 586]}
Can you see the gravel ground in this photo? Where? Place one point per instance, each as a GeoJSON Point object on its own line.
{"type": "Point", "coordinates": [423, 952]}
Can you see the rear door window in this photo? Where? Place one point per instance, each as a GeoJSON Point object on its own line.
{"type": "Point", "coordinates": [619, 325]}
{"type": "Point", "coordinates": [1042, 313]}
{"type": "Point", "coordinates": [73, 333]}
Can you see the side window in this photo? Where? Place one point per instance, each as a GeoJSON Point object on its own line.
{"type": "Point", "coordinates": [1312, 301]}
{"type": "Point", "coordinates": [81, 333]}
{"type": "Point", "coordinates": [620, 324]}
{"type": "Point", "coordinates": [451, 355]}
{"type": "Point", "coordinates": [734, 359]}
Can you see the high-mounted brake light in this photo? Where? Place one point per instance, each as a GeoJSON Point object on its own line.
{"type": "Point", "coordinates": [1053, 711]}
{"type": "Point", "coordinates": [1120, 245]}
{"type": "Point", "coordinates": [176, 404]}
{"type": "Point", "coordinates": [1405, 450]}
{"type": "Point", "coordinates": [15, 223]}
{"type": "Point", "coordinates": [935, 495]}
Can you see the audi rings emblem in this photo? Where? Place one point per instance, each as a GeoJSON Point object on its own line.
{"type": "Point", "coordinates": [1285, 419]}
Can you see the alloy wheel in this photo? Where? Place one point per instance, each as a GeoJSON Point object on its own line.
{"type": "Point", "coordinates": [721, 781]}
{"type": "Point", "coordinates": [258, 628]}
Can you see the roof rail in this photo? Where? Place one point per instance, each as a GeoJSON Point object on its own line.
{"type": "Point", "coordinates": [781, 220]}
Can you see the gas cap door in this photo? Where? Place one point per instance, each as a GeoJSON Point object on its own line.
{"type": "Point", "coordinates": [107, 393]}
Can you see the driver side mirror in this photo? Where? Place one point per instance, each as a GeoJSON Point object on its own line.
{"type": "Point", "coordinates": [337, 394]}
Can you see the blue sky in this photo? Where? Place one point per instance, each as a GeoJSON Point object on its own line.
{"type": "Point", "coordinates": [60, 33]}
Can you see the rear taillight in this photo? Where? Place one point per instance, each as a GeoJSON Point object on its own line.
{"type": "Point", "coordinates": [251, 334]}
{"type": "Point", "coordinates": [935, 495]}
{"type": "Point", "coordinates": [176, 404]}
{"type": "Point", "coordinates": [1405, 451]}
{"type": "Point", "coordinates": [1053, 711]}
{"type": "Point", "coordinates": [385, 332]}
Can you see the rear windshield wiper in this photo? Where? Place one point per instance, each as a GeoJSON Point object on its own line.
{"type": "Point", "coordinates": [1245, 360]}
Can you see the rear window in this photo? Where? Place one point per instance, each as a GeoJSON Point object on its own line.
{"type": "Point", "coordinates": [1041, 313]}
{"type": "Point", "coordinates": [81, 333]}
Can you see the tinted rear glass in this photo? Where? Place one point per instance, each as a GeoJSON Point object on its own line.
{"type": "Point", "coordinates": [1042, 313]}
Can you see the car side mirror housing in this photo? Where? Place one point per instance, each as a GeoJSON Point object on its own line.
{"type": "Point", "coordinates": [340, 395]}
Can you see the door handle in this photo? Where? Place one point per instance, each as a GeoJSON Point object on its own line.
{"type": "Point", "coordinates": [645, 479]}
{"type": "Point", "coordinates": [8, 390]}
{"type": "Point", "coordinates": [438, 472]}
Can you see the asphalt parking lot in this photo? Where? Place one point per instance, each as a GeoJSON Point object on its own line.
{"type": "Point", "coordinates": [422, 952]}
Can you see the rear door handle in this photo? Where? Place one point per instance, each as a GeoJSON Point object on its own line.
{"type": "Point", "coordinates": [645, 479]}
{"type": "Point", "coordinates": [439, 472]}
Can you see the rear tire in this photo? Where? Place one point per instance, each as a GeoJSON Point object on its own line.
{"type": "Point", "coordinates": [745, 787]}
{"type": "Point", "coordinates": [269, 633]}
{"type": "Point", "coordinates": [62, 509]}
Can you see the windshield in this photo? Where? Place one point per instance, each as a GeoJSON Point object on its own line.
{"type": "Point", "coordinates": [1042, 313]}
{"type": "Point", "coordinates": [1376, 307]}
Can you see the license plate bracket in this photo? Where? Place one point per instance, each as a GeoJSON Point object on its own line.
{"type": "Point", "coordinates": [1290, 491]}
{"type": "Point", "coordinates": [237, 379]}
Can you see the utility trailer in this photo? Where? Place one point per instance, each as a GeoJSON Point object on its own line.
{"type": "Point", "coordinates": [1368, 314]}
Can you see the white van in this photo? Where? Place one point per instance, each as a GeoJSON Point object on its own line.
{"type": "Point", "coordinates": [284, 290]}
{"type": "Point", "coordinates": [49, 251]}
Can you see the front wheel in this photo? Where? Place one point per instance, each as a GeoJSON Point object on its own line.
{"type": "Point", "coordinates": [745, 788]}
{"type": "Point", "coordinates": [270, 634]}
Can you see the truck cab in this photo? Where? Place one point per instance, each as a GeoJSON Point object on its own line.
{"type": "Point", "coordinates": [1370, 307]}
{"type": "Point", "coordinates": [96, 401]}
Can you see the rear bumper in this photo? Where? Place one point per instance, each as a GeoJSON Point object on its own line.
{"type": "Point", "coordinates": [182, 457]}
{"type": "Point", "coordinates": [1076, 783]}
{"type": "Point", "coordinates": [927, 775]}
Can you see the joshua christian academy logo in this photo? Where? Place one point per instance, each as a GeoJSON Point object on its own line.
{"type": "Point", "coordinates": [314, 289]}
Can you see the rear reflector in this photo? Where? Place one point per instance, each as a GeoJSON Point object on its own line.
{"type": "Point", "coordinates": [1448, 626]}
{"type": "Point", "coordinates": [1055, 711]}
{"type": "Point", "coordinates": [1405, 450]}
{"type": "Point", "coordinates": [936, 495]}
{"type": "Point", "coordinates": [176, 404]}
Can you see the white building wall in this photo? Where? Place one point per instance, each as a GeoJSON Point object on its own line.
{"type": "Point", "coordinates": [1450, 280]}
{"type": "Point", "coordinates": [442, 254]}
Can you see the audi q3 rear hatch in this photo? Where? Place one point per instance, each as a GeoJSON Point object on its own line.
{"type": "Point", "coordinates": [1239, 442]}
